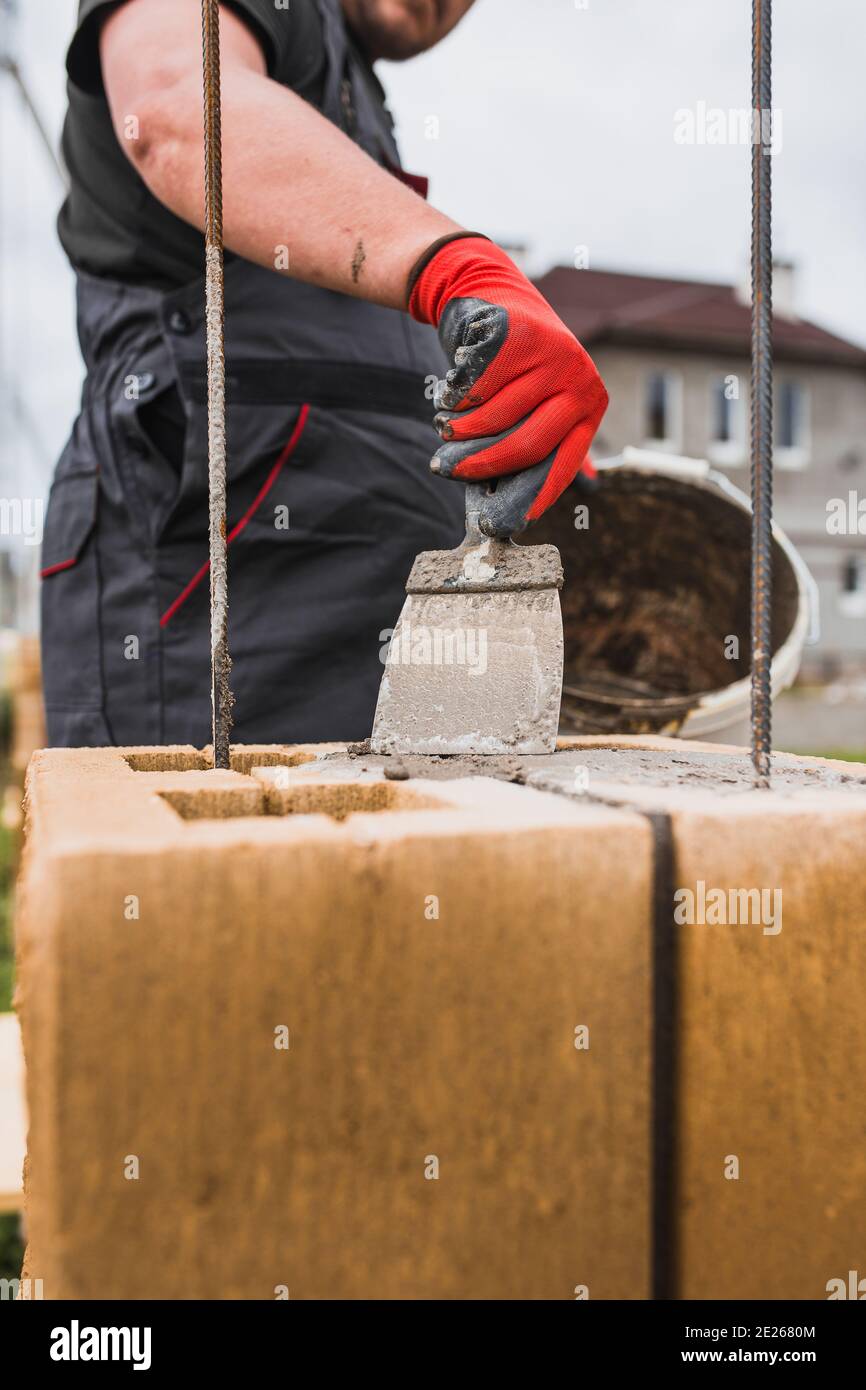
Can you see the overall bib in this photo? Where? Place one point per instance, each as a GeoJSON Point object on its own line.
{"type": "Point", "coordinates": [330, 498]}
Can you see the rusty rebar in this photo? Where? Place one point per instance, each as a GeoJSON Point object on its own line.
{"type": "Point", "coordinates": [216, 376]}
{"type": "Point", "coordinates": [762, 393]}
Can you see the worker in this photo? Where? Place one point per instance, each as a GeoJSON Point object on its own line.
{"type": "Point", "coordinates": [354, 313]}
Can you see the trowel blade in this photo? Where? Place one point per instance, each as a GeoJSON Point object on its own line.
{"type": "Point", "coordinates": [472, 673]}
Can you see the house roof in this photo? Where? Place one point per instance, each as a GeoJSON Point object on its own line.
{"type": "Point", "coordinates": [648, 311]}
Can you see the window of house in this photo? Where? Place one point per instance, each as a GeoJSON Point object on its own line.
{"type": "Point", "coordinates": [854, 575]}
{"type": "Point", "coordinates": [852, 596]}
{"type": "Point", "coordinates": [792, 425]}
{"type": "Point", "coordinates": [727, 422]}
{"type": "Point", "coordinates": [663, 409]}
{"type": "Point", "coordinates": [724, 414]}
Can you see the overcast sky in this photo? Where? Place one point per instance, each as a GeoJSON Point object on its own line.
{"type": "Point", "coordinates": [556, 123]}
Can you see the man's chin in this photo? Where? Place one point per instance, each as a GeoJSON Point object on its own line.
{"type": "Point", "coordinates": [394, 38]}
{"type": "Point", "coordinates": [392, 45]}
{"type": "Point", "coordinates": [395, 49]}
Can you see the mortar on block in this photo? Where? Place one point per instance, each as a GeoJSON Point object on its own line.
{"type": "Point", "coordinates": [298, 1026]}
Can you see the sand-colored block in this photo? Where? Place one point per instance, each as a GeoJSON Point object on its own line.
{"type": "Point", "coordinates": [27, 732]}
{"type": "Point", "coordinates": [426, 949]}
{"type": "Point", "coordinates": [298, 891]}
{"type": "Point", "coordinates": [779, 1080]}
{"type": "Point", "coordinates": [28, 714]}
{"type": "Point", "coordinates": [770, 1012]}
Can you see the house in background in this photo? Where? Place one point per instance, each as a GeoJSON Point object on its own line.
{"type": "Point", "coordinates": [674, 355]}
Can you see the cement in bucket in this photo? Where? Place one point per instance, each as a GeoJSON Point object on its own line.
{"type": "Point", "coordinates": [655, 604]}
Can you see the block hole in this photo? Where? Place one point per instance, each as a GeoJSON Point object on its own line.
{"type": "Point", "coordinates": [341, 799]}
{"type": "Point", "coordinates": [245, 759]}
{"type": "Point", "coordinates": [242, 759]}
{"type": "Point", "coordinates": [335, 799]}
{"type": "Point", "coordinates": [215, 803]}
{"type": "Point", "coordinates": [166, 760]}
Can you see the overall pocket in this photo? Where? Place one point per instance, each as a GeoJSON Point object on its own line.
{"type": "Point", "coordinates": [147, 430]}
{"type": "Point", "coordinates": [71, 655]}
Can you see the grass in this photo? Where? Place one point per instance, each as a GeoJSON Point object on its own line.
{"type": "Point", "coordinates": [845, 755]}
{"type": "Point", "coordinates": [11, 1247]}
{"type": "Point", "coordinates": [7, 860]}
{"type": "Point", "coordinates": [7, 848]}
{"type": "Point", "coordinates": [6, 949]}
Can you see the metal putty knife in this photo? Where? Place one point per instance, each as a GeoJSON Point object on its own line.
{"type": "Point", "coordinates": [475, 662]}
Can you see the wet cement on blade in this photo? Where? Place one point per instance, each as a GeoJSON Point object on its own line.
{"type": "Point", "coordinates": [490, 567]}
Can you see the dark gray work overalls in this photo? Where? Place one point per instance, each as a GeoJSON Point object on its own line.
{"type": "Point", "coordinates": [329, 498]}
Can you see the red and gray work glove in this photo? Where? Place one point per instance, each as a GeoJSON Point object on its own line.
{"type": "Point", "coordinates": [522, 400]}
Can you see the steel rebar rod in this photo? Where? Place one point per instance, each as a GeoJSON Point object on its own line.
{"type": "Point", "coordinates": [761, 393]}
{"type": "Point", "coordinates": [216, 403]}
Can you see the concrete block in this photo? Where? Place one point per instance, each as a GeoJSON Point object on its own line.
{"type": "Point", "coordinates": [431, 938]}
{"type": "Point", "coordinates": [28, 714]}
{"type": "Point", "coordinates": [779, 1079]}
{"type": "Point", "coordinates": [310, 1029]}
{"type": "Point", "coordinates": [769, 1163]}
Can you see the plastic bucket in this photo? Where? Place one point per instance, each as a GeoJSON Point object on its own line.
{"type": "Point", "coordinates": [656, 606]}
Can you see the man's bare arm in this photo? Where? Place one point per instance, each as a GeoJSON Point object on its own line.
{"type": "Point", "coordinates": [290, 178]}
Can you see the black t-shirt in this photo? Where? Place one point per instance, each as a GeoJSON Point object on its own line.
{"type": "Point", "coordinates": [111, 224]}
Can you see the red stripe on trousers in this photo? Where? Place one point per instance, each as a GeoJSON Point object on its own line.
{"type": "Point", "coordinates": [54, 569]}
{"type": "Point", "coordinates": [248, 514]}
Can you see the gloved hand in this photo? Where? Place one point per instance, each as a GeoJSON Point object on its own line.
{"type": "Point", "coordinates": [521, 398]}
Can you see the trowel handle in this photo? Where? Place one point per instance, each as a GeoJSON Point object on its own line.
{"type": "Point", "coordinates": [475, 495]}
{"type": "Point", "coordinates": [506, 505]}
